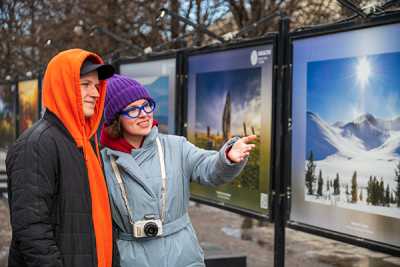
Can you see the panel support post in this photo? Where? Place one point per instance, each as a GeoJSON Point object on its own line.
{"type": "Point", "coordinates": [281, 192]}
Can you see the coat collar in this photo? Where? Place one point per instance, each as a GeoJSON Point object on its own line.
{"type": "Point", "coordinates": [148, 143]}
{"type": "Point", "coordinates": [52, 119]}
{"type": "Point", "coordinates": [131, 162]}
{"type": "Point", "coordinates": [130, 166]}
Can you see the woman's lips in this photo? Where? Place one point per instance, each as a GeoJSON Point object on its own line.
{"type": "Point", "coordinates": [144, 124]}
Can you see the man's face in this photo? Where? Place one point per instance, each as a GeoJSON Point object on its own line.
{"type": "Point", "coordinates": [90, 92]}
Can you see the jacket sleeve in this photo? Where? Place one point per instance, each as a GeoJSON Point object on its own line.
{"type": "Point", "coordinates": [32, 171]}
{"type": "Point", "coordinates": [209, 167]}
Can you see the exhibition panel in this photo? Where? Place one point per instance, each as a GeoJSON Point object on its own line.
{"type": "Point", "coordinates": [346, 134]}
{"type": "Point", "coordinates": [230, 93]}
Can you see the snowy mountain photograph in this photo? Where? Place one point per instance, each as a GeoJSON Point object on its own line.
{"type": "Point", "coordinates": [353, 133]}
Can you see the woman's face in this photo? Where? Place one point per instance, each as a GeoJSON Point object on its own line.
{"type": "Point", "coordinates": [142, 124]}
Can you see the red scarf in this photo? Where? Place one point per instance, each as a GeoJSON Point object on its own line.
{"type": "Point", "coordinates": [119, 144]}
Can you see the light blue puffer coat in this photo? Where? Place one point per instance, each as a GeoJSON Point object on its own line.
{"type": "Point", "coordinates": [140, 170]}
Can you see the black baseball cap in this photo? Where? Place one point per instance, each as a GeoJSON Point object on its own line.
{"type": "Point", "coordinates": [104, 71]}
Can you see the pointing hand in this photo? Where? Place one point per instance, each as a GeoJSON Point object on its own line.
{"type": "Point", "coordinates": [241, 148]}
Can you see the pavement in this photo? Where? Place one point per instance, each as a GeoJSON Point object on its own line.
{"type": "Point", "coordinates": [224, 230]}
{"type": "Point", "coordinates": [221, 231]}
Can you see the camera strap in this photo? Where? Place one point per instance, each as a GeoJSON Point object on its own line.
{"type": "Point", "coordinates": [163, 179]}
{"type": "Point", "coordinates": [124, 194]}
{"type": "Point", "coordinates": [121, 187]}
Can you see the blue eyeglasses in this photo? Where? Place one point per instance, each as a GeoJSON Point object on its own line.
{"type": "Point", "coordinates": [134, 112]}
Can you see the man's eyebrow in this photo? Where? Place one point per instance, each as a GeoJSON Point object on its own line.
{"type": "Point", "coordinates": [88, 80]}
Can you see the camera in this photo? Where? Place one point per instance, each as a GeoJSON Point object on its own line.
{"type": "Point", "coordinates": [148, 227]}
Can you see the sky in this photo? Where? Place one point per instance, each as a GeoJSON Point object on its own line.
{"type": "Point", "coordinates": [343, 89]}
{"type": "Point", "coordinates": [211, 91]}
{"type": "Point", "coordinates": [159, 89]}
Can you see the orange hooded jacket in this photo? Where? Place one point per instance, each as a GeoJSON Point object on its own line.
{"type": "Point", "coordinates": [62, 96]}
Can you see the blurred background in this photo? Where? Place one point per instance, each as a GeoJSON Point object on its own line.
{"type": "Point", "coordinates": [33, 31]}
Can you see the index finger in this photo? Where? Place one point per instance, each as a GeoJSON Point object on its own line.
{"type": "Point", "coordinates": [250, 138]}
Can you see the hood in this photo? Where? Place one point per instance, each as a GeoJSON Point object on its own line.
{"type": "Point", "coordinates": [62, 95]}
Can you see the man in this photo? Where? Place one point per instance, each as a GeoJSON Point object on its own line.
{"type": "Point", "coordinates": [59, 206]}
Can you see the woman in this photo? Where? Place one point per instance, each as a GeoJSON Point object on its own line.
{"type": "Point", "coordinates": [148, 176]}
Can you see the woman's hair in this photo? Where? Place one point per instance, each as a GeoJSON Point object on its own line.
{"type": "Point", "coordinates": [114, 130]}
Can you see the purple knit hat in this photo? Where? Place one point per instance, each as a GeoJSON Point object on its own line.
{"type": "Point", "coordinates": [121, 91]}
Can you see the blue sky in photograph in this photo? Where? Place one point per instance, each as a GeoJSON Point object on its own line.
{"type": "Point", "coordinates": [343, 89]}
{"type": "Point", "coordinates": [211, 90]}
{"type": "Point", "coordinates": [158, 89]}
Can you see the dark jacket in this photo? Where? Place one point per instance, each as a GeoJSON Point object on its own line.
{"type": "Point", "coordinates": [49, 198]}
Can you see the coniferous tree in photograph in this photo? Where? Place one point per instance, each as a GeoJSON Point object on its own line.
{"type": "Point", "coordinates": [336, 185]}
{"type": "Point", "coordinates": [387, 196]}
{"type": "Point", "coordinates": [361, 195]}
{"type": "Point", "coordinates": [320, 184]}
{"type": "Point", "coordinates": [310, 174]}
{"type": "Point", "coordinates": [347, 193]}
{"type": "Point", "coordinates": [381, 193]}
{"type": "Point", "coordinates": [375, 192]}
{"type": "Point", "coordinates": [397, 180]}
{"type": "Point", "coordinates": [369, 191]}
{"type": "Point", "coordinates": [354, 188]}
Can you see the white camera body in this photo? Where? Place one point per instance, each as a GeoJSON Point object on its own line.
{"type": "Point", "coordinates": [147, 228]}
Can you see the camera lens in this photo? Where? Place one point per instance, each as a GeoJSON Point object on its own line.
{"type": "Point", "coordinates": [150, 229]}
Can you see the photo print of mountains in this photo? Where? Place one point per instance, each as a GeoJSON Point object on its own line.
{"type": "Point", "coordinates": [353, 133]}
